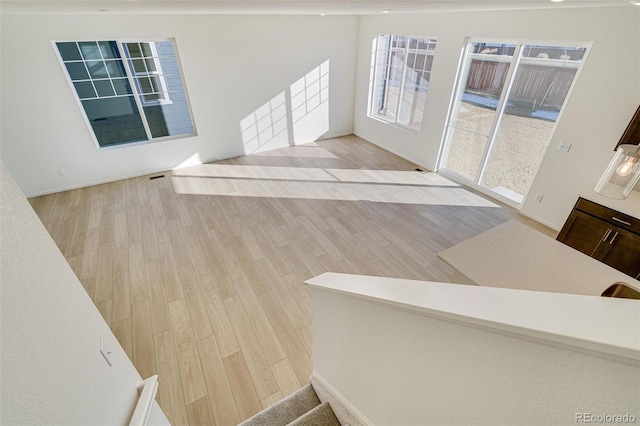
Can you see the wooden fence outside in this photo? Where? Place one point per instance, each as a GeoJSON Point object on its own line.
{"type": "Point", "coordinates": [541, 86]}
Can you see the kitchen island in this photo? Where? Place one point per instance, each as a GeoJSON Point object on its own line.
{"type": "Point", "coordinates": [513, 255]}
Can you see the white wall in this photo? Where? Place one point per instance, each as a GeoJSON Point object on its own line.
{"type": "Point", "coordinates": [232, 65]}
{"type": "Point", "coordinates": [52, 370]}
{"type": "Point", "coordinates": [235, 64]}
{"type": "Point", "coordinates": [601, 105]}
{"type": "Point", "coordinates": [398, 365]}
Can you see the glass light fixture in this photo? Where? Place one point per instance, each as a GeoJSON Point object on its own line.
{"type": "Point", "coordinates": [622, 174]}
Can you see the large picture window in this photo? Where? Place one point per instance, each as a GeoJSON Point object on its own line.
{"type": "Point", "coordinates": [130, 92]}
{"type": "Point", "coordinates": [401, 75]}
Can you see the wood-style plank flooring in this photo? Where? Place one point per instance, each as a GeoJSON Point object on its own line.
{"type": "Point", "coordinates": [200, 273]}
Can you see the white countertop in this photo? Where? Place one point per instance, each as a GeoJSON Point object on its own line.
{"type": "Point", "coordinates": [603, 325]}
{"type": "Point", "coordinates": [513, 255]}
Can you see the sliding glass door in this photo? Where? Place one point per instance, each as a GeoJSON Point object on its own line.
{"type": "Point", "coordinates": [507, 102]}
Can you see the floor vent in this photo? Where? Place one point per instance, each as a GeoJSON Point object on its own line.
{"type": "Point", "coordinates": [156, 177]}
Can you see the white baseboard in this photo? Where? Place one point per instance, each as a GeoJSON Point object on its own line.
{"type": "Point", "coordinates": [143, 173]}
{"type": "Point", "coordinates": [331, 136]}
{"type": "Point", "coordinates": [542, 221]}
{"type": "Point", "coordinates": [108, 180]}
{"type": "Point", "coordinates": [341, 399]}
{"type": "Point", "coordinates": [394, 152]}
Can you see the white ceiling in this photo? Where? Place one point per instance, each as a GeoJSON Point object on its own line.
{"type": "Point", "coordinates": [330, 7]}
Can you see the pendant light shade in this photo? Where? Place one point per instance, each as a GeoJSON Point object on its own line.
{"type": "Point", "coordinates": [622, 174]}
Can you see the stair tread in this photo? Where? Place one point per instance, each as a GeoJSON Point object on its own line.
{"type": "Point", "coordinates": [287, 410]}
{"type": "Point", "coordinates": [320, 415]}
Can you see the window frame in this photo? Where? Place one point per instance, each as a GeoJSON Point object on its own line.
{"type": "Point", "coordinates": [459, 86]}
{"type": "Point", "coordinates": [157, 73]}
{"type": "Point", "coordinates": [137, 95]}
{"type": "Point", "coordinates": [375, 77]}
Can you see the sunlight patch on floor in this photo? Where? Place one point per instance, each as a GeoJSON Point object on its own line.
{"type": "Point", "coordinates": [254, 172]}
{"type": "Point", "coordinates": [323, 190]}
{"type": "Point", "coordinates": [309, 150]}
{"type": "Point", "coordinates": [399, 177]}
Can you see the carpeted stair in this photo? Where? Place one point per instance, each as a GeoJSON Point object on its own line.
{"type": "Point", "coordinates": [320, 415]}
{"type": "Point", "coordinates": [302, 408]}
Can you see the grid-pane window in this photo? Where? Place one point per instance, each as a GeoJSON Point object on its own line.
{"type": "Point", "coordinates": [150, 78]}
{"type": "Point", "coordinates": [402, 71]}
{"type": "Point", "coordinates": [129, 92]}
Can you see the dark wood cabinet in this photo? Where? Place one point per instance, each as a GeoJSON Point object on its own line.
{"type": "Point", "coordinates": [604, 234]}
{"type": "Point", "coordinates": [622, 252]}
{"type": "Point", "coordinates": [584, 232]}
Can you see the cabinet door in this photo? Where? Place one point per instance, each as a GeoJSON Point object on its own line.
{"type": "Point", "coordinates": [584, 232]}
{"type": "Point", "coordinates": [622, 252]}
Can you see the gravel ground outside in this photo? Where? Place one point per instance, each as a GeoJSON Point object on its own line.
{"type": "Point", "coordinates": [517, 151]}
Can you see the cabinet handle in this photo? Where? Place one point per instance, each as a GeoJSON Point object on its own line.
{"type": "Point", "coordinates": [613, 239]}
{"type": "Point", "coordinates": [606, 235]}
{"type": "Point", "coordinates": [621, 221]}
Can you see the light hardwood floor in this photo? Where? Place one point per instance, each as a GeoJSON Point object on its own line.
{"type": "Point", "coordinates": [200, 273]}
